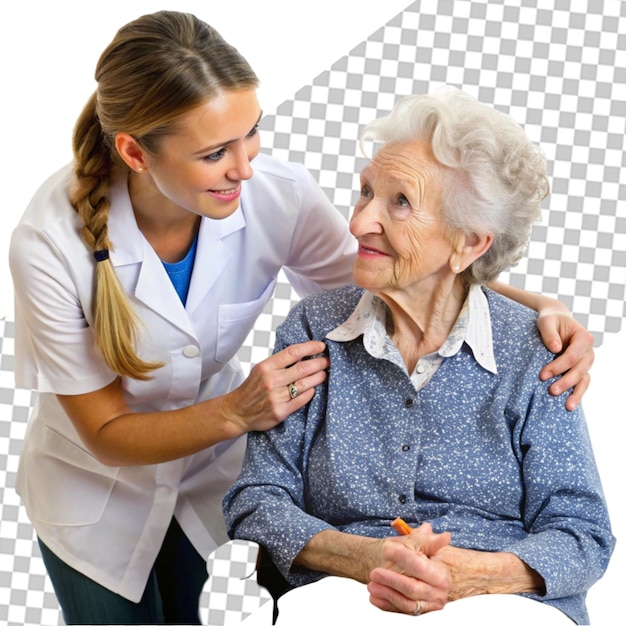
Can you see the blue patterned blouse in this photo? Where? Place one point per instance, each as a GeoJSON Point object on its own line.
{"type": "Point", "coordinates": [471, 442]}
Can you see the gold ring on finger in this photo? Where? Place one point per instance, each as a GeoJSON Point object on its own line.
{"type": "Point", "coordinates": [293, 390]}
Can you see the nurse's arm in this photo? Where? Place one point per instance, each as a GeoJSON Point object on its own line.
{"type": "Point", "coordinates": [562, 334]}
{"type": "Point", "coordinates": [117, 436]}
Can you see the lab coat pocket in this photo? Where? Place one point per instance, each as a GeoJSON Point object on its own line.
{"type": "Point", "coordinates": [63, 484]}
{"type": "Point", "coordinates": [235, 321]}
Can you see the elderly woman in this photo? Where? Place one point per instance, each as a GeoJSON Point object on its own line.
{"type": "Point", "coordinates": [433, 409]}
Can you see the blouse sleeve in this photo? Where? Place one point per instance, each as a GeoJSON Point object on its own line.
{"type": "Point", "coordinates": [569, 541]}
{"type": "Point", "coordinates": [266, 504]}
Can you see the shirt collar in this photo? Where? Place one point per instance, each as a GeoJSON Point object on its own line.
{"type": "Point", "coordinates": [473, 326]}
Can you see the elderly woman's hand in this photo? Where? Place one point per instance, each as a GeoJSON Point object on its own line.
{"type": "Point", "coordinates": [474, 572]}
{"type": "Point", "coordinates": [560, 330]}
{"type": "Point", "coordinates": [412, 582]}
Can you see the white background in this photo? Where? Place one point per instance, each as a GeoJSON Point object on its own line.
{"type": "Point", "coordinates": [48, 52]}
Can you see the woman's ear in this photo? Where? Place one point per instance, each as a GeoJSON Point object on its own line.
{"type": "Point", "coordinates": [470, 247]}
{"type": "Point", "coordinates": [130, 151]}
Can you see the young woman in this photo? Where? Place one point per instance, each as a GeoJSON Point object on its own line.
{"type": "Point", "coordinates": [139, 270]}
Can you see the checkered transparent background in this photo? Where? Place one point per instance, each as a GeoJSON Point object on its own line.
{"type": "Point", "coordinates": [558, 67]}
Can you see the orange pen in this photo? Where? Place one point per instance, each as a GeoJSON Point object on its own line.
{"type": "Point", "coordinates": [402, 528]}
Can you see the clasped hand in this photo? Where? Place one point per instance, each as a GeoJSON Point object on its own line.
{"type": "Point", "coordinates": [411, 581]}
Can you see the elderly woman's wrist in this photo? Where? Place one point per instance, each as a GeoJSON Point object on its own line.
{"type": "Point", "coordinates": [507, 573]}
{"type": "Point", "coordinates": [341, 554]}
{"type": "Point", "coordinates": [474, 572]}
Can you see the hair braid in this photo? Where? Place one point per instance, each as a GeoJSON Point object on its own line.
{"type": "Point", "coordinates": [114, 321]}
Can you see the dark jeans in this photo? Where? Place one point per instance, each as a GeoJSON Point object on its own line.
{"type": "Point", "coordinates": [171, 596]}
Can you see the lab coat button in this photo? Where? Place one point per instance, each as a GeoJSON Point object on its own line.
{"type": "Point", "coordinates": [191, 351]}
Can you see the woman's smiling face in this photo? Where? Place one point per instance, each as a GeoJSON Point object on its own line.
{"type": "Point", "coordinates": [403, 241]}
{"type": "Point", "coordinates": [201, 166]}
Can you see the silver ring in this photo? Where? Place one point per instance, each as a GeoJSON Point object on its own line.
{"type": "Point", "coordinates": [293, 390]}
{"type": "Point", "coordinates": [418, 609]}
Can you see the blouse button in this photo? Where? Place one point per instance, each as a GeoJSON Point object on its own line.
{"type": "Point", "coordinates": [406, 448]}
{"type": "Point", "coordinates": [408, 403]}
{"type": "Point", "coordinates": [191, 351]}
{"type": "Point", "coordinates": [402, 498]}
{"type": "Point", "coordinates": [420, 368]}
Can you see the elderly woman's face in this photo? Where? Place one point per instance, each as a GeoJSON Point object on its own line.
{"type": "Point", "coordinates": [402, 239]}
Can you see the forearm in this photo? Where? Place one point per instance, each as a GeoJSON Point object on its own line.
{"type": "Point", "coordinates": [473, 572]}
{"type": "Point", "coordinates": [341, 554]}
{"type": "Point", "coordinates": [160, 436]}
{"type": "Point", "coordinates": [118, 436]}
{"type": "Point", "coordinates": [537, 302]}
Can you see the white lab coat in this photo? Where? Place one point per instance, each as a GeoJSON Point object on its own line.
{"type": "Point", "coordinates": [109, 522]}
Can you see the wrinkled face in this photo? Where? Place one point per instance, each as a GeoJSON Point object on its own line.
{"type": "Point", "coordinates": [200, 168]}
{"type": "Point", "coordinates": [403, 243]}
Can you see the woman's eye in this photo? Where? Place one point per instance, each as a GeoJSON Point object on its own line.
{"type": "Point", "coordinates": [403, 201]}
{"type": "Point", "coordinates": [254, 131]}
{"type": "Point", "coordinates": [215, 156]}
{"type": "Point", "coordinates": [366, 192]}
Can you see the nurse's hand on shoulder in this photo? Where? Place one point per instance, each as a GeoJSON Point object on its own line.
{"type": "Point", "coordinates": [565, 336]}
{"type": "Point", "coordinates": [277, 386]}
{"type": "Point", "coordinates": [116, 435]}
